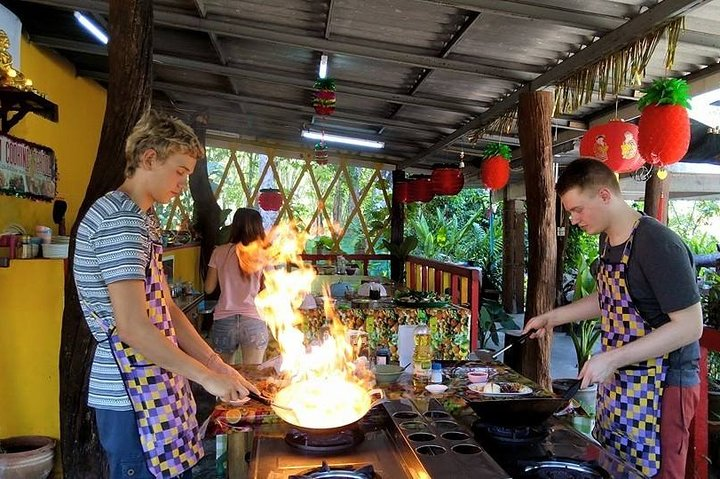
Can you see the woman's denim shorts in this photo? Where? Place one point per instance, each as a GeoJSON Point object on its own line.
{"type": "Point", "coordinates": [229, 333]}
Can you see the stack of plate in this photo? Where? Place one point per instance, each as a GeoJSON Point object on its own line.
{"type": "Point", "coordinates": [55, 250]}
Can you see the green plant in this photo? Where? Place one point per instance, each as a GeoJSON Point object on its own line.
{"type": "Point", "coordinates": [711, 300]}
{"type": "Point", "coordinates": [401, 252]}
{"type": "Point", "coordinates": [585, 334]}
{"type": "Point", "coordinates": [714, 370]}
{"type": "Point", "coordinates": [492, 312]}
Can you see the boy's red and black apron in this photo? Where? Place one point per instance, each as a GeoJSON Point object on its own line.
{"type": "Point", "coordinates": [628, 404]}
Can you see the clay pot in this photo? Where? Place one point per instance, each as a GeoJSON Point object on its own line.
{"type": "Point", "coordinates": [26, 457]}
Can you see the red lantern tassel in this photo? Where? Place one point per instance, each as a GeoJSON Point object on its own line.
{"type": "Point", "coordinates": [660, 208]}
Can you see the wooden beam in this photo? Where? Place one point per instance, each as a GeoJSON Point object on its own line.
{"type": "Point", "coordinates": [615, 40]}
{"type": "Point", "coordinates": [230, 29]}
{"type": "Point", "coordinates": [452, 43]}
{"type": "Point", "coordinates": [534, 113]}
{"type": "Point", "coordinates": [598, 23]}
{"type": "Point", "coordinates": [456, 105]}
{"type": "Point", "coordinates": [557, 15]}
{"type": "Point", "coordinates": [328, 19]}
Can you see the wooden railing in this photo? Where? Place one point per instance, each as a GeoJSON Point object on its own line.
{"type": "Point", "coordinates": [461, 282]}
{"type": "Point", "coordinates": [699, 456]}
{"type": "Point", "coordinates": [421, 274]}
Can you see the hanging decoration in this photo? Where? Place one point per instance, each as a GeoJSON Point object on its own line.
{"type": "Point", "coordinates": [320, 153]}
{"type": "Point", "coordinates": [615, 143]}
{"type": "Point", "coordinates": [270, 199]}
{"type": "Point", "coordinates": [495, 168]}
{"type": "Point", "coordinates": [324, 96]}
{"type": "Point", "coordinates": [617, 70]}
{"type": "Point", "coordinates": [664, 123]}
{"type": "Point", "coordinates": [447, 179]}
{"type": "Point", "coordinates": [401, 190]}
{"type": "Point", "coordinates": [420, 189]}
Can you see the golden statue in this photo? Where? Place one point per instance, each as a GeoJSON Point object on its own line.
{"type": "Point", "coordinates": [8, 75]}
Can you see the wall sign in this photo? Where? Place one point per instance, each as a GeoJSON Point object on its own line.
{"type": "Point", "coordinates": [27, 170]}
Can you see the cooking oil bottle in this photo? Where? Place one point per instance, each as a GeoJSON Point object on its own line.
{"type": "Point", "coordinates": [422, 357]}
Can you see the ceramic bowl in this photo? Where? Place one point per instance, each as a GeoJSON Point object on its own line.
{"type": "Point", "coordinates": [436, 388]}
{"type": "Point", "coordinates": [478, 376]}
{"type": "Point", "coordinates": [387, 373]}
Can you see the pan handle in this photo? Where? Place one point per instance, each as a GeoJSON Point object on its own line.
{"type": "Point", "coordinates": [519, 340]}
{"type": "Point", "coordinates": [572, 390]}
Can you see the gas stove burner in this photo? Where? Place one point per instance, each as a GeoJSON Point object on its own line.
{"type": "Point", "coordinates": [513, 435]}
{"type": "Point", "coordinates": [564, 469]}
{"type": "Point", "coordinates": [338, 472]}
{"type": "Point", "coordinates": [325, 442]}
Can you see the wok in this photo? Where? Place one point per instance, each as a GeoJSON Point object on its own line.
{"type": "Point", "coordinates": [516, 412]}
{"type": "Point", "coordinates": [345, 411]}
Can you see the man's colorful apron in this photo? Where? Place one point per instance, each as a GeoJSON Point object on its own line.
{"type": "Point", "coordinates": [628, 404]}
{"type": "Point", "coordinates": [163, 403]}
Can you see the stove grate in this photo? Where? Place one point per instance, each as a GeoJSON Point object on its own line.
{"type": "Point", "coordinates": [326, 471]}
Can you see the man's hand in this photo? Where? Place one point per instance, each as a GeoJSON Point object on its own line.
{"type": "Point", "coordinates": [540, 324]}
{"type": "Point", "coordinates": [216, 364]}
{"type": "Point", "coordinates": [224, 386]}
{"type": "Point", "coordinates": [598, 369]}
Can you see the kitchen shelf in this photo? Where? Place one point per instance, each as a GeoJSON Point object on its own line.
{"type": "Point", "coordinates": [21, 103]}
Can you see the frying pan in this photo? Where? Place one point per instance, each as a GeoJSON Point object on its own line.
{"type": "Point", "coordinates": [522, 411]}
{"type": "Point", "coordinates": [295, 416]}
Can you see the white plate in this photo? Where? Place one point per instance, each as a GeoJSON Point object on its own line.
{"type": "Point", "coordinates": [436, 388]}
{"type": "Point", "coordinates": [480, 389]}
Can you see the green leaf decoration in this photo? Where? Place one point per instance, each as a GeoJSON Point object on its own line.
{"type": "Point", "coordinates": [666, 91]}
{"type": "Point", "coordinates": [497, 149]}
{"type": "Point", "coordinates": [325, 84]}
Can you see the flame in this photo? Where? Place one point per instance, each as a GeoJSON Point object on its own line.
{"type": "Point", "coordinates": [328, 386]}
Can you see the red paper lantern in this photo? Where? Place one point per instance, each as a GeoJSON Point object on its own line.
{"type": "Point", "coordinates": [447, 180]}
{"type": "Point", "coordinates": [495, 172]}
{"type": "Point", "coordinates": [664, 134]}
{"type": "Point", "coordinates": [615, 143]}
{"type": "Point", "coordinates": [270, 199]}
{"type": "Point", "coordinates": [324, 96]}
{"type": "Point", "coordinates": [420, 188]}
{"type": "Point", "coordinates": [401, 191]}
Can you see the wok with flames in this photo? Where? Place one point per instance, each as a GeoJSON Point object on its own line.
{"type": "Point", "coordinates": [328, 388]}
{"type": "Point", "coordinates": [319, 406]}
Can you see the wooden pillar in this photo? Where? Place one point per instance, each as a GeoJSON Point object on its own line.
{"type": "Point", "coordinates": [397, 227]}
{"type": "Point", "coordinates": [128, 96]}
{"type": "Point", "coordinates": [563, 224]}
{"type": "Point", "coordinates": [207, 211]}
{"type": "Point", "coordinates": [657, 195]}
{"type": "Point", "coordinates": [534, 117]}
{"type": "Point", "coordinates": [513, 287]}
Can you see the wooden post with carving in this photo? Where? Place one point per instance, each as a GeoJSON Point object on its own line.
{"type": "Point", "coordinates": [534, 117]}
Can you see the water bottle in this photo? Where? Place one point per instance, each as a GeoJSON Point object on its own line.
{"type": "Point", "coordinates": [382, 356]}
{"type": "Point", "coordinates": [436, 373]}
{"type": "Point", "coordinates": [422, 357]}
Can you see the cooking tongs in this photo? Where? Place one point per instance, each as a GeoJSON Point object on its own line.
{"type": "Point", "coordinates": [266, 401]}
{"type": "Point", "coordinates": [519, 340]}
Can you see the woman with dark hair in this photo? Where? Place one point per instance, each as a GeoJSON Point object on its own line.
{"type": "Point", "coordinates": [236, 320]}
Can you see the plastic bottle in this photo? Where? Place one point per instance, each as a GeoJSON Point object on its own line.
{"type": "Point", "coordinates": [382, 356]}
{"type": "Point", "coordinates": [422, 357]}
{"type": "Point", "coordinates": [436, 373]}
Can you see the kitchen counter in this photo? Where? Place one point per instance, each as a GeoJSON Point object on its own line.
{"type": "Point", "coordinates": [187, 302]}
{"type": "Point", "coordinates": [265, 436]}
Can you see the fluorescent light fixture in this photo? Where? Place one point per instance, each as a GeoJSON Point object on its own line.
{"type": "Point", "coordinates": [322, 73]}
{"type": "Point", "coordinates": [314, 135]}
{"type": "Point", "coordinates": [91, 27]}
